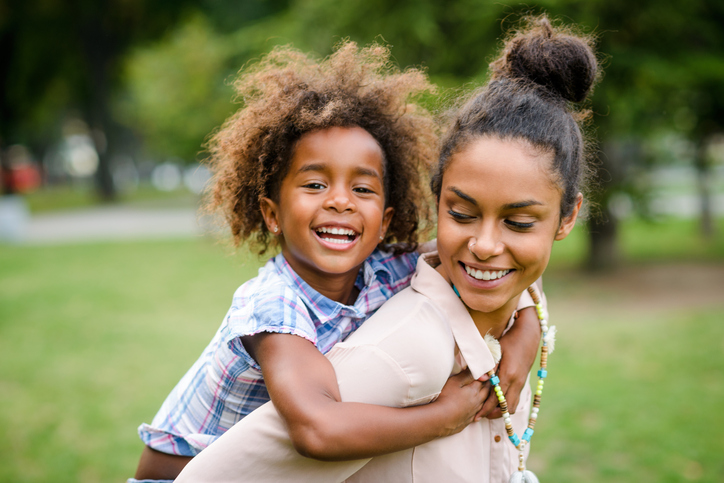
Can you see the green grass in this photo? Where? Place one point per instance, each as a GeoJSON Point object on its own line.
{"type": "Point", "coordinates": [58, 198]}
{"type": "Point", "coordinates": [634, 402]}
{"type": "Point", "coordinates": [643, 241]}
{"type": "Point", "coordinates": [92, 338]}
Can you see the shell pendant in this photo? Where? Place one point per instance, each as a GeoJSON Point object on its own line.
{"type": "Point", "coordinates": [524, 476]}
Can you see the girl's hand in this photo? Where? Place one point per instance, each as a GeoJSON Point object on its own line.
{"type": "Point", "coordinates": [462, 400]}
{"type": "Point", "coordinates": [519, 346]}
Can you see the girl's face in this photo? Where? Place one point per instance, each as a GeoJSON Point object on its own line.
{"type": "Point", "coordinates": [498, 215]}
{"type": "Point", "coordinates": [331, 210]}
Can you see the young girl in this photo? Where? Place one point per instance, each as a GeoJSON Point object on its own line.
{"type": "Point", "coordinates": [323, 160]}
{"type": "Point", "coordinates": [507, 186]}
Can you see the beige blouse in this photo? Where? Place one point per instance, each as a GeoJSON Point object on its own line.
{"type": "Point", "coordinates": [402, 356]}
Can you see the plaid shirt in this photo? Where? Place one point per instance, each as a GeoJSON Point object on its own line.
{"type": "Point", "coordinates": [225, 384]}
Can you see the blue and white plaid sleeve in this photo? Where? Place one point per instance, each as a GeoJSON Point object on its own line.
{"type": "Point", "coordinates": [279, 310]}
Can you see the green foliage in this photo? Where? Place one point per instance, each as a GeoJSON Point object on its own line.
{"type": "Point", "coordinates": [176, 92]}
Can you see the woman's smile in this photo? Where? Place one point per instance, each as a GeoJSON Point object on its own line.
{"type": "Point", "coordinates": [499, 213]}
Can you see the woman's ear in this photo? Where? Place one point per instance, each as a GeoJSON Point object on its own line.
{"type": "Point", "coordinates": [569, 222]}
{"type": "Point", "coordinates": [270, 212]}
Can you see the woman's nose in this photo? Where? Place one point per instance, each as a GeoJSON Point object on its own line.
{"type": "Point", "coordinates": [487, 244]}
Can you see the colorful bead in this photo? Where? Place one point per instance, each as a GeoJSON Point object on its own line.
{"type": "Point", "coordinates": [542, 374]}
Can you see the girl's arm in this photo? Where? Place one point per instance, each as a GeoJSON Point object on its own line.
{"type": "Point", "coordinates": [303, 387]}
{"type": "Point", "coordinates": [519, 347]}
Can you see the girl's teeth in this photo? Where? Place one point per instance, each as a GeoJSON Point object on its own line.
{"type": "Point", "coordinates": [487, 274]}
{"type": "Point", "coordinates": [336, 240]}
{"type": "Point", "coordinates": [336, 231]}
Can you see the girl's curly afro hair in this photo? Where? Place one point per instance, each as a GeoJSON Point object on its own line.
{"type": "Point", "coordinates": [288, 94]}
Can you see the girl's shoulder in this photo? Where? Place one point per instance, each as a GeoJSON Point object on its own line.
{"type": "Point", "coordinates": [397, 266]}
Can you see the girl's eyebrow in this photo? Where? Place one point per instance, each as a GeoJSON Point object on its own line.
{"type": "Point", "coordinates": [312, 167]}
{"type": "Point", "coordinates": [509, 206]}
{"type": "Point", "coordinates": [360, 171]}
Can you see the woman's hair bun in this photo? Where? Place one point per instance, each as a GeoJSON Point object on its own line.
{"type": "Point", "coordinates": [558, 60]}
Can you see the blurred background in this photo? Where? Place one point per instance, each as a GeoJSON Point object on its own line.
{"type": "Point", "coordinates": [110, 286]}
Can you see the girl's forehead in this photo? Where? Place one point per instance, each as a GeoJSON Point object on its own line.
{"type": "Point", "coordinates": [337, 148]}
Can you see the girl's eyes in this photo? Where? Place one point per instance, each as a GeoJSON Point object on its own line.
{"type": "Point", "coordinates": [320, 186]}
{"type": "Point", "coordinates": [363, 190]}
{"type": "Point", "coordinates": [314, 186]}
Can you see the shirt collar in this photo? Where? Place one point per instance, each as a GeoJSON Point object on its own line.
{"type": "Point", "coordinates": [324, 308]}
{"type": "Point", "coordinates": [428, 282]}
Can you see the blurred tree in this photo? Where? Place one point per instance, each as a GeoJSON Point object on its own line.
{"type": "Point", "coordinates": [664, 69]}
{"type": "Point", "coordinates": [59, 55]}
{"type": "Point", "coordinates": [665, 74]}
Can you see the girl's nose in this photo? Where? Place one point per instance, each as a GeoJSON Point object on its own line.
{"type": "Point", "coordinates": [339, 200]}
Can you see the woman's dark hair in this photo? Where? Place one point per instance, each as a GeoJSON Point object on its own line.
{"type": "Point", "coordinates": [541, 72]}
{"type": "Point", "coordinates": [288, 94]}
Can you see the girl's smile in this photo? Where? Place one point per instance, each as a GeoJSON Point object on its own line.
{"type": "Point", "coordinates": [331, 213]}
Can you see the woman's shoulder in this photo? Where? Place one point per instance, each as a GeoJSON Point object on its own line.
{"type": "Point", "coordinates": [406, 312]}
{"type": "Point", "coordinates": [407, 347]}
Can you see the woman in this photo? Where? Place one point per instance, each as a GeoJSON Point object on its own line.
{"type": "Point", "coordinates": [507, 186]}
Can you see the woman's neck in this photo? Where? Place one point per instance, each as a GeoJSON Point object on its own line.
{"type": "Point", "coordinates": [495, 322]}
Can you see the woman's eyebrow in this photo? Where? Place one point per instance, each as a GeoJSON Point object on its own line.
{"type": "Point", "coordinates": [521, 204]}
{"type": "Point", "coordinates": [462, 195]}
{"type": "Point", "coordinates": [509, 206]}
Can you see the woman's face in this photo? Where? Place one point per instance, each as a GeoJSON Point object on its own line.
{"type": "Point", "coordinates": [498, 215]}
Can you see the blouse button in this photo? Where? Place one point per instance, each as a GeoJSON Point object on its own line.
{"type": "Point", "coordinates": [497, 438]}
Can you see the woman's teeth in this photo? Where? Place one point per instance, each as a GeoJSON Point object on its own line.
{"type": "Point", "coordinates": [486, 274]}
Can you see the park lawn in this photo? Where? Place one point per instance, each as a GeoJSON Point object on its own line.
{"type": "Point", "coordinates": [634, 401]}
{"type": "Point", "coordinates": [92, 338]}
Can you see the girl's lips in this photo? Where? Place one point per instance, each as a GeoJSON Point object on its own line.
{"type": "Point", "coordinates": [336, 238]}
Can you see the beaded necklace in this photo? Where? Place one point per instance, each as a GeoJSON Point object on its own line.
{"type": "Point", "coordinates": [547, 345]}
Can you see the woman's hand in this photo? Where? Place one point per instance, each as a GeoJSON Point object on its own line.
{"type": "Point", "coordinates": [519, 346]}
{"type": "Point", "coordinates": [463, 398]}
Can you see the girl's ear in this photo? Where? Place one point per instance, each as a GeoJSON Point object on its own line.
{"type": "Point", "coordinates": [270, 212]}
{"type": "Point", "coordinates": [568, 222]}
{"type": "Point", "coordinates": [386, 219]}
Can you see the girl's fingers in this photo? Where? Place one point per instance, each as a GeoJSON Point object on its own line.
{"type": "Point", "coordinates": [464, 378]}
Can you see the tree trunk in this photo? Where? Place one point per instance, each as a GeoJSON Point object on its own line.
{"type": "Point", "coordinates": [613, 163]}
{"type": "Point", "coordinates": [703, 184]}
{"type": "Point", "coordinates": [100, 51]}
{"type": "Point", "coordinates": [603, 241]}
